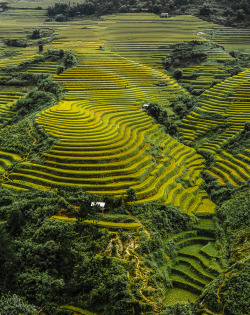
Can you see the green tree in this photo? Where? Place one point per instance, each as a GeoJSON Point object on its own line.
{"type": "Point", "coordinates": [36, 34]}
{"type": "Point", "coordinates": [15, 305]}
{"type": "Point", "coordinates": [178, 74]}
{"type": "Point", "coordinates": [40, 48]}
{"type": "Point", "coordinates": [69, 59]}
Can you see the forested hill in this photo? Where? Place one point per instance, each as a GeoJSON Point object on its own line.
{"type": "Point", "coordinates": [226, 12]}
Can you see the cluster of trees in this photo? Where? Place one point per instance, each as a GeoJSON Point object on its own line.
{"type": "Point", "coordinates": [16, 42]}
{"type": "Point", "coordinates": [23, 136]}
{"type": "Point", "coordinates": [181, 106]}
{"type": "Point", "coordinates": [227, 12]}
{"type": "Point", "coordinates": [183, 54]}
{"type": "Point", "coordinates": [26, 139]}
{"type": "Point", "coordinates": [4, 5]}
{"type": "Point", "coordinates": [161, 116]}
{"type": "Point", "coordinates": [37, 37]}
{"type": "Point", "coordinates": [94, 7]}
{"type": "Point", "coordinates": [66, 59]}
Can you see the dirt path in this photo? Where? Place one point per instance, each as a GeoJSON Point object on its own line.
{"type": "Point", "coordinates": [219, 299]}
{"type": "Point", "coordinates": [218, 293]}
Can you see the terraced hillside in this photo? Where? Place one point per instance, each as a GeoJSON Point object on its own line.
{"type": "Point", "coordinates": [8, 96]}
{"type": "Point", "coordinates": [201, 76]}
{"type": "Point", "coordinates": [108, 144]}
{"type": "Point", "coordinates": [226, 104]}
{"type": "Point", "coordinates": [196, 264]}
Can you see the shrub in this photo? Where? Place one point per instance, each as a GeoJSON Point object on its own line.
{"type": "Point", "coordinates": [235, 70]}
{"type": "Point", "coordinates": [14, 304]}
{"type": "Point", "coordinates": [186, 53]}
{"type": "Point", "coordinates": [16, 42]}
{"type": "Point", "coordinates": [36, 34]}
{"type": "Point", "coordinates": [178, 74]}
{"type": "Point", "coordinates": [179, 309]}
{"type": "Point", "coordinates": [131, 195]}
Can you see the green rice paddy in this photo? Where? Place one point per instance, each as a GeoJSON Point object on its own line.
{"type": "Point", "coordinates": [107, 141]}
{"type": "Point", "coordinates": [108, 144]}
{"type": "Point", "coordinates": [196, 264]}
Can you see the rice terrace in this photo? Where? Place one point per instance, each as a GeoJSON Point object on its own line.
{"type": "Point", "coordinates": [124, 157]}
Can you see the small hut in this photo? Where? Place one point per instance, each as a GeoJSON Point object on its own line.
{"type": "Point", "coordinates": [101, 47]}
{"type": "Point", "coordinates": [162, 83]}
{"type": "Point", "coordinates": [145, 106]}
{"type": "Point", "coordinates": [100, 204]}
{"type": "Point", "coordinates": [199, 34]}
{"type": "Point", "coordinates": [164, 15]}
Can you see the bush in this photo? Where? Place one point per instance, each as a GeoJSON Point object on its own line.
{"type": "Point", "coordinates": [131, 195]}
{"type": "Point", "coordinates": [186, 53]}
{"type": "Point", "coordinates": [179, 309]}
{"type": "Point", "coordinates": [235, 70]}
{"type": "Point", "coordinates": [161, 116]}
{"type": "Point", "coordinates": [15, 305]}
{"type": "Point", "coordinates": [16, 42]}
{"type": "Point", "coordinates": [69, 59]}
{"type": "Point", "coordinates": [178, 74]}
{"type": "Point", "coordinates": [36, 34]}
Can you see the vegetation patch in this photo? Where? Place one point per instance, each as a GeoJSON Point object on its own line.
{"type": "Point", "coordinates": [183, 54]}
{"type": "Point", "coordinates": [240, 142]}
{"type": "Point", "coordinates": [199, 65]}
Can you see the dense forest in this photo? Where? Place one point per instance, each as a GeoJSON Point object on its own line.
{"type": "Point", "coordinates": [126, 258]}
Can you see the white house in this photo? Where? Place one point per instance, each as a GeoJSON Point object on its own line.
{"type": "Point", "coordinates": [164, 15]}
{"type": "Point", "coordinates": [199, 33]}
{"type": "Point", "coordinates": [101, 204]}
{"type": "Point", "coordinates": [145, 106]}
{"type": "Point", "coordinates": [162, 83]}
